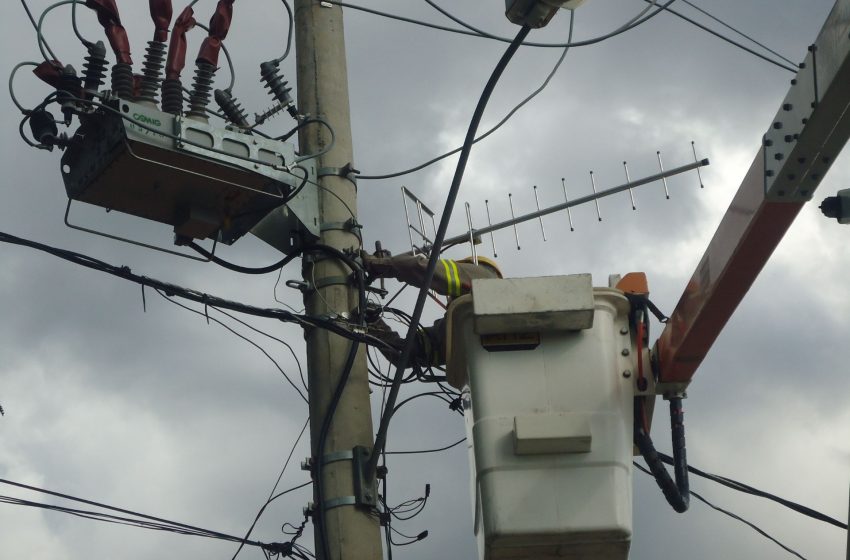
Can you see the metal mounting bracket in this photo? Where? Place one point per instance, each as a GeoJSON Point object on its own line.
{"type": "Point", "coordinates": [339, 502]}
{"type": "Point", "coordinates": [136, 243]}
{"type": "Point", "coordinates": [365, 487]}
{"type": "Point", "coordinates": [337, 456]}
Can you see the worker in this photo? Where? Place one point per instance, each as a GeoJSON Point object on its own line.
{"type": "Point", "coordinates": [452, 278]}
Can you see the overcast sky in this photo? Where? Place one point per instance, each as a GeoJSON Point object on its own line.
{"type": "Point", "coordinates": [161, 413]}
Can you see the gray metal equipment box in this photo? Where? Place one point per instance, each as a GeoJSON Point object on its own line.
{"type": "Point", "coordinates": [206, 181]}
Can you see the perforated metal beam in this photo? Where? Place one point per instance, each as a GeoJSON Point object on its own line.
{"type": "Point", "coordinates": [806, 136]}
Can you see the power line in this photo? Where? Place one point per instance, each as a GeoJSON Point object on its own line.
{"type": "Point", "coordinates": [731, 41]}
{"type": "Point", "coordinates": [625, 27]}
{"type": "Point", "coordinates": [272, 493]}
{"type": "Point", "coordinates": [245, 338]}
{"type": "Point", "coordinates": [753, 526]}
{"type": "Point", "coordinates": [741, 33]}
{"type": "Point", "coordinates": [143, 521]}
{"type": "Point", "coordinates": [276, 339]}
{"type": "Point", "coordinates": [486, 35]}
{"type": "Point", "coordinates": [732, 515]}
{"type": "Point", "coordinates": [37, 31]}
{"type": "Point", "coordinates": [422, 451]}
{"type": "Point", "coordinates": [746, 489]}
{"type": "Point", "coordinates": [124, 272]}
{"type": "Point", "coordinates": [498, 125]}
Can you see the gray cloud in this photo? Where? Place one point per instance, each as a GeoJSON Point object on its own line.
{"type": "Point", "coordinates": [161, 413]}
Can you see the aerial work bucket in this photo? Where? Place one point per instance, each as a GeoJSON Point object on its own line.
{"type": "Point", "coordinates": [545, 367]}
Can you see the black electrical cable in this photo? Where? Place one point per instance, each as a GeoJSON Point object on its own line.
{"type": "Point", "coordinates": [245, 338]}
{"type": "Point", "coordinates": [193, 295]}
{"type": "Point", "coordinates": [486, 35]}
{"type": "Point", "coordinates": [276, 339]}
{"type": "Point", "coordinates": [732, 515]}
{"type": "Point", "coordinates": [746, 489]}
{"type": "Point", "coordinates": [35, 27]}
{"type": "Point", "coordinates": [434, 394]}
{"type": "Point", "coordinates": [274, 488]}
{"type": "Point", "coordinates": [749, 524]}
{"type": "Point", "coordinates": [128, 521]}
{"type": "Point", "coordinates": [732, 41]}
{"type": "Point", "coordinates": [241, 269]}
{"type": "Point", "coordinates": [454, 189]}
{"type": "Point", "coordinates": [741, 33]}
{"type": "Point", "coordinates": [493, 129]}
{"type": "Point", "coordinates": [422, 451]}
{"type": "Point", "coordinates": [174, 525]}
{"type": "Point", "coordinates": [304, 122]}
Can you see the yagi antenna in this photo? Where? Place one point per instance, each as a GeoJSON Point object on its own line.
{"type": "Point", "coordinates": [421, 242]}
{"type": "Point", "coordinates": [473, 235]}
{"type": "Point", "coordinates": [422, 231]}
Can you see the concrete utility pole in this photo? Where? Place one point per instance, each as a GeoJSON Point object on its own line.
{"type": "Point", "coordinates": [323, 91]}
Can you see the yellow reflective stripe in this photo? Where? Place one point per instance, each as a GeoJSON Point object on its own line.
{"type": "Point", "coordinates": [456, 278]}
{"type": "Point", "coordinates": [448, 276]}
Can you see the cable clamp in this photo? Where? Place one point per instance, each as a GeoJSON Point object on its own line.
{"type": "Point", "coordinates": [348, 225]}
{"type": "Point", "coordinates": [331, 281]}
{"type": "Point", "coordinates": [339, 502]}
{"type": "Point", "coordinates": [346, 172]}
{"type": "Point", "coordinates": [337, 456]}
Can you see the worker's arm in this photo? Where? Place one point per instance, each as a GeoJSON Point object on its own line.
{"type": "Point", "coordinates": [451, 278]}
{"type": "Point", "coordinates": [427, 350]}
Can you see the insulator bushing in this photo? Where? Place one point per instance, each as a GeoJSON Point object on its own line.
{"type": "Point", "coordinates": [201, 88]}
{"type": "Point", "coordinates": [43, 126]}
{"type": "Point", "coordinates": [152, 71]}
{"type": "Point", "coordinates": [69, 91]}
{"type": "Point", "coordinates": [172, 96]}
{"type": "Point", "coordinates": [94, 70]}
{"type": "Point", "coordinates": [231, 108]}
{"type": "Point", "coordinates": [123, 82]}
{"type": "Point", "coordinates": [270, 74]}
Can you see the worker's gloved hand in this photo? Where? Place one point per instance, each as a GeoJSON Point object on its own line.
{"type": "Point", "coordinates": [376, 267]}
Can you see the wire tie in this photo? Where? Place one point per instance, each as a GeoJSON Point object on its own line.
{"type": "Point", "coordinates": [144, 303]}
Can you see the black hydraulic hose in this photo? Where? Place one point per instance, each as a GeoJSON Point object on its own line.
{"type": "Point", "coordinates": [678, 492]}
{"type": "Point", "coordinates": [410, 339]}
{"type": "Point", "coordinates": [237, 268]}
